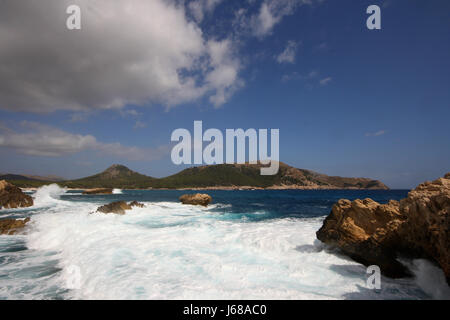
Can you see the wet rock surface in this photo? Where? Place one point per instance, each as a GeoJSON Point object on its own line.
{"type": "Point", "coordinates": [196, 199]}
{"type": "Point", "coordinates": [11, 226]}
{"type": "Point", "coordinates": [12, 197]}
{"type": "Point", "coordinates": [416, 227]}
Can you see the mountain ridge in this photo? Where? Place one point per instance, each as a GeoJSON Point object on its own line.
{"type": "Point", "coordinates": [219, 176]}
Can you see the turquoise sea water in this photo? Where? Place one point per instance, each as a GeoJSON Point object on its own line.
{"type": "Point", "coordinates": [247, 245]}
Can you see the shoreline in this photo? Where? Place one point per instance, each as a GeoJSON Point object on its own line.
{"type": "Point", "coordinates": [227, 188]}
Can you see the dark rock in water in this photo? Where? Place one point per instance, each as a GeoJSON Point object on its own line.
{"type": "Point", "coordinates": [98, 191]}
{"type": "Point", "coordinates": [13, 197]}
{"type": "Point", "coordinates": [119, 207]}
{"type": "Point", "coordinates": [11, 226]}
{"type": "Point", "coordinates": [196, 199]}
{"type": "Point", "coordinates": [416, 227]}
{"type": "Point", "coordinates": [136, 204]}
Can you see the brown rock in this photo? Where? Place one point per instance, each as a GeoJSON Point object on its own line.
{"type": "Point", "coordinates": [373, 233]}
{"type": "Point", "coordinates": [98, 191]}
{"type": "Point", "coordinates": [13, 197]}
{"type": "Point", "coordinates": [196, 199]}
{"type": "Point", "coordinates": [427, 232]}
{"type": "Point", "coordinates": [119, 207]}
{"type": "Point", "coordinates": [11, 226]}
{"type": "Point", "coordinates": [136, 204]}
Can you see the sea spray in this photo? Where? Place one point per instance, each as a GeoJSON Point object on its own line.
{"type": "Point", "coordinates": [167, 250]}
{"type": "Point", "coordinates": [47, 195]}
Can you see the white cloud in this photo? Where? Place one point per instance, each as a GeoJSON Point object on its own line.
{"type": "Point", "coordinates": [325, 81]}
{"type": "Point", "coordinates": [271, 13]}
{"type": "Point", "coordinates": [224, 76]}
{"type": "Point", "coordinates": [288, 55]}
{"type": "Point", "coordinates": [199, 8]}
{"type": "Point", "coordinates": [42, 140]}
{"type": "Point", "coordinates": [375, 134]}
{"type": "Point", "coordinates": [127, 52]}
{"type": "Point", "coordinates": [139, 125]}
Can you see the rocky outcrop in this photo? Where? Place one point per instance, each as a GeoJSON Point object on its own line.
{"type": "Point", "coordinates": [119, 207]}
{"type": "Point", "coordinates": [427, 231]}
{"type": "Point", "coordinates": [13, 197]}
{"type": "Point", "coordinates": [416, 227]}
{"type": "Point", "coordinates": [201, 199]}
{"type": "Point", "coordinates": [11, 226]}
{"type": "Point", "coordinates": [98, 191]}
{"type": "Point", "coordinates": [137, 204]}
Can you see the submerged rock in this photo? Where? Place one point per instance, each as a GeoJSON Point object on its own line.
{"type": "Point", "coordinates": [416, 227]}
{"type": "Point", "coordinates": [13, 197]}
{"type": "Point", "coordinates": [11, 226]}
{"type": "Point", "coordinates": [98, 191]}
{"type": "Point", "coordinates": [196, 199]}
{"type": "Point", "coordinates": [119, 207]}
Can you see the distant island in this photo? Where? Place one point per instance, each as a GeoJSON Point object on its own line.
{"type": "Point", "coordinates": [220, 176]}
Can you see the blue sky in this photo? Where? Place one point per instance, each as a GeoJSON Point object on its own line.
{"type": "Point", "coordinates": [348, 101]}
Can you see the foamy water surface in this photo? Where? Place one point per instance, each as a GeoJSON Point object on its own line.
{"type": "Point", "coordinates": [247, 245]}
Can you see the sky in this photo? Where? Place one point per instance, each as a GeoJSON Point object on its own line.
{"type": "Point", "coordinates": [347, 100]}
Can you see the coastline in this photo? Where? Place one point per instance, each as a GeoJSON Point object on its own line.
{"type": "Point", "coordinates": [229, 188]}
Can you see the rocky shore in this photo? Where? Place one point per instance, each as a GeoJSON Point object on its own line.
{"type": "Point", "coordinates": [12, 197]}
{"type": "Point", "coordinates": [416, 227]}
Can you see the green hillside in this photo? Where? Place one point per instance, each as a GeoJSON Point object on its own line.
{"type": "Point", "coordinates": [116, 176]}
{"type": "Point", "coordinates": [222, 175]}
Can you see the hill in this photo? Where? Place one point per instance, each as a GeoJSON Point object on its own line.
{"type": "Point", "coordinates": [116, 176]}
{"type": "Point", "coordinates": [215, 176]}
{"type": "Point", "coordinates": [235, 175]}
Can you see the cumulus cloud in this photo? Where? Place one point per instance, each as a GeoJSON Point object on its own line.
{"type": "Point", "coordinates": [288, 55]}
{"type": "Point", "coordinates": [127, 52]}
{"type": "Point", "coordinates": [37, 139]}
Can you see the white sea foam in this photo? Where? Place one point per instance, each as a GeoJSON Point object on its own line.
{"type": "Point", "coordinates": [48, 195]}
{"type": "Point", "coordinates": [431, 279]}
{"type": "Point", "coordinates": [173, 251]}
{"type": "Point", "coordinates": [117, 191]}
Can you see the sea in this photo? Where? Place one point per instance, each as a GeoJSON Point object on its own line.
{"type": "Point", "coordinates": [249, 244]}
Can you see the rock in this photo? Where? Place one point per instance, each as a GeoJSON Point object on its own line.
{"type": "Point", "coordinates": [416, 227]}
{"type": "Point", "coordinates": [427, 231]}
{"type": "Point", "coordinates": [10, 226]}
{"type": "Point", "coordinates": [98, 191]}
{"type": "Point", "coordinates": [13, 197]}
{"type": "Point", "coordinates": [196, 199]}
{"type": "Point", "coordinates": [136, 204]}
{"type": "Point", "coordinates": [119, 207]}
{"type": "Point", "coordinates": [365, 230]}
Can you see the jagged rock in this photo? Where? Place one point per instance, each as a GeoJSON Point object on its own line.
{"type": "Point", "coordinates": [119, 207]}
{"type": "Point", "coordinates": [11, 226]}
{"type": "Point", "coordinates": [196, 199]}
{"type": "Point", "coordinates": [372, 233]}
{"type": "Point", "coordinates": [136, 204]}
{"type": "Point", "coordinates": [13, 197]}
{"type": "Point", "coordinates": [427, 232]}
{"type": "Point", "coordinates": [98, 191]}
